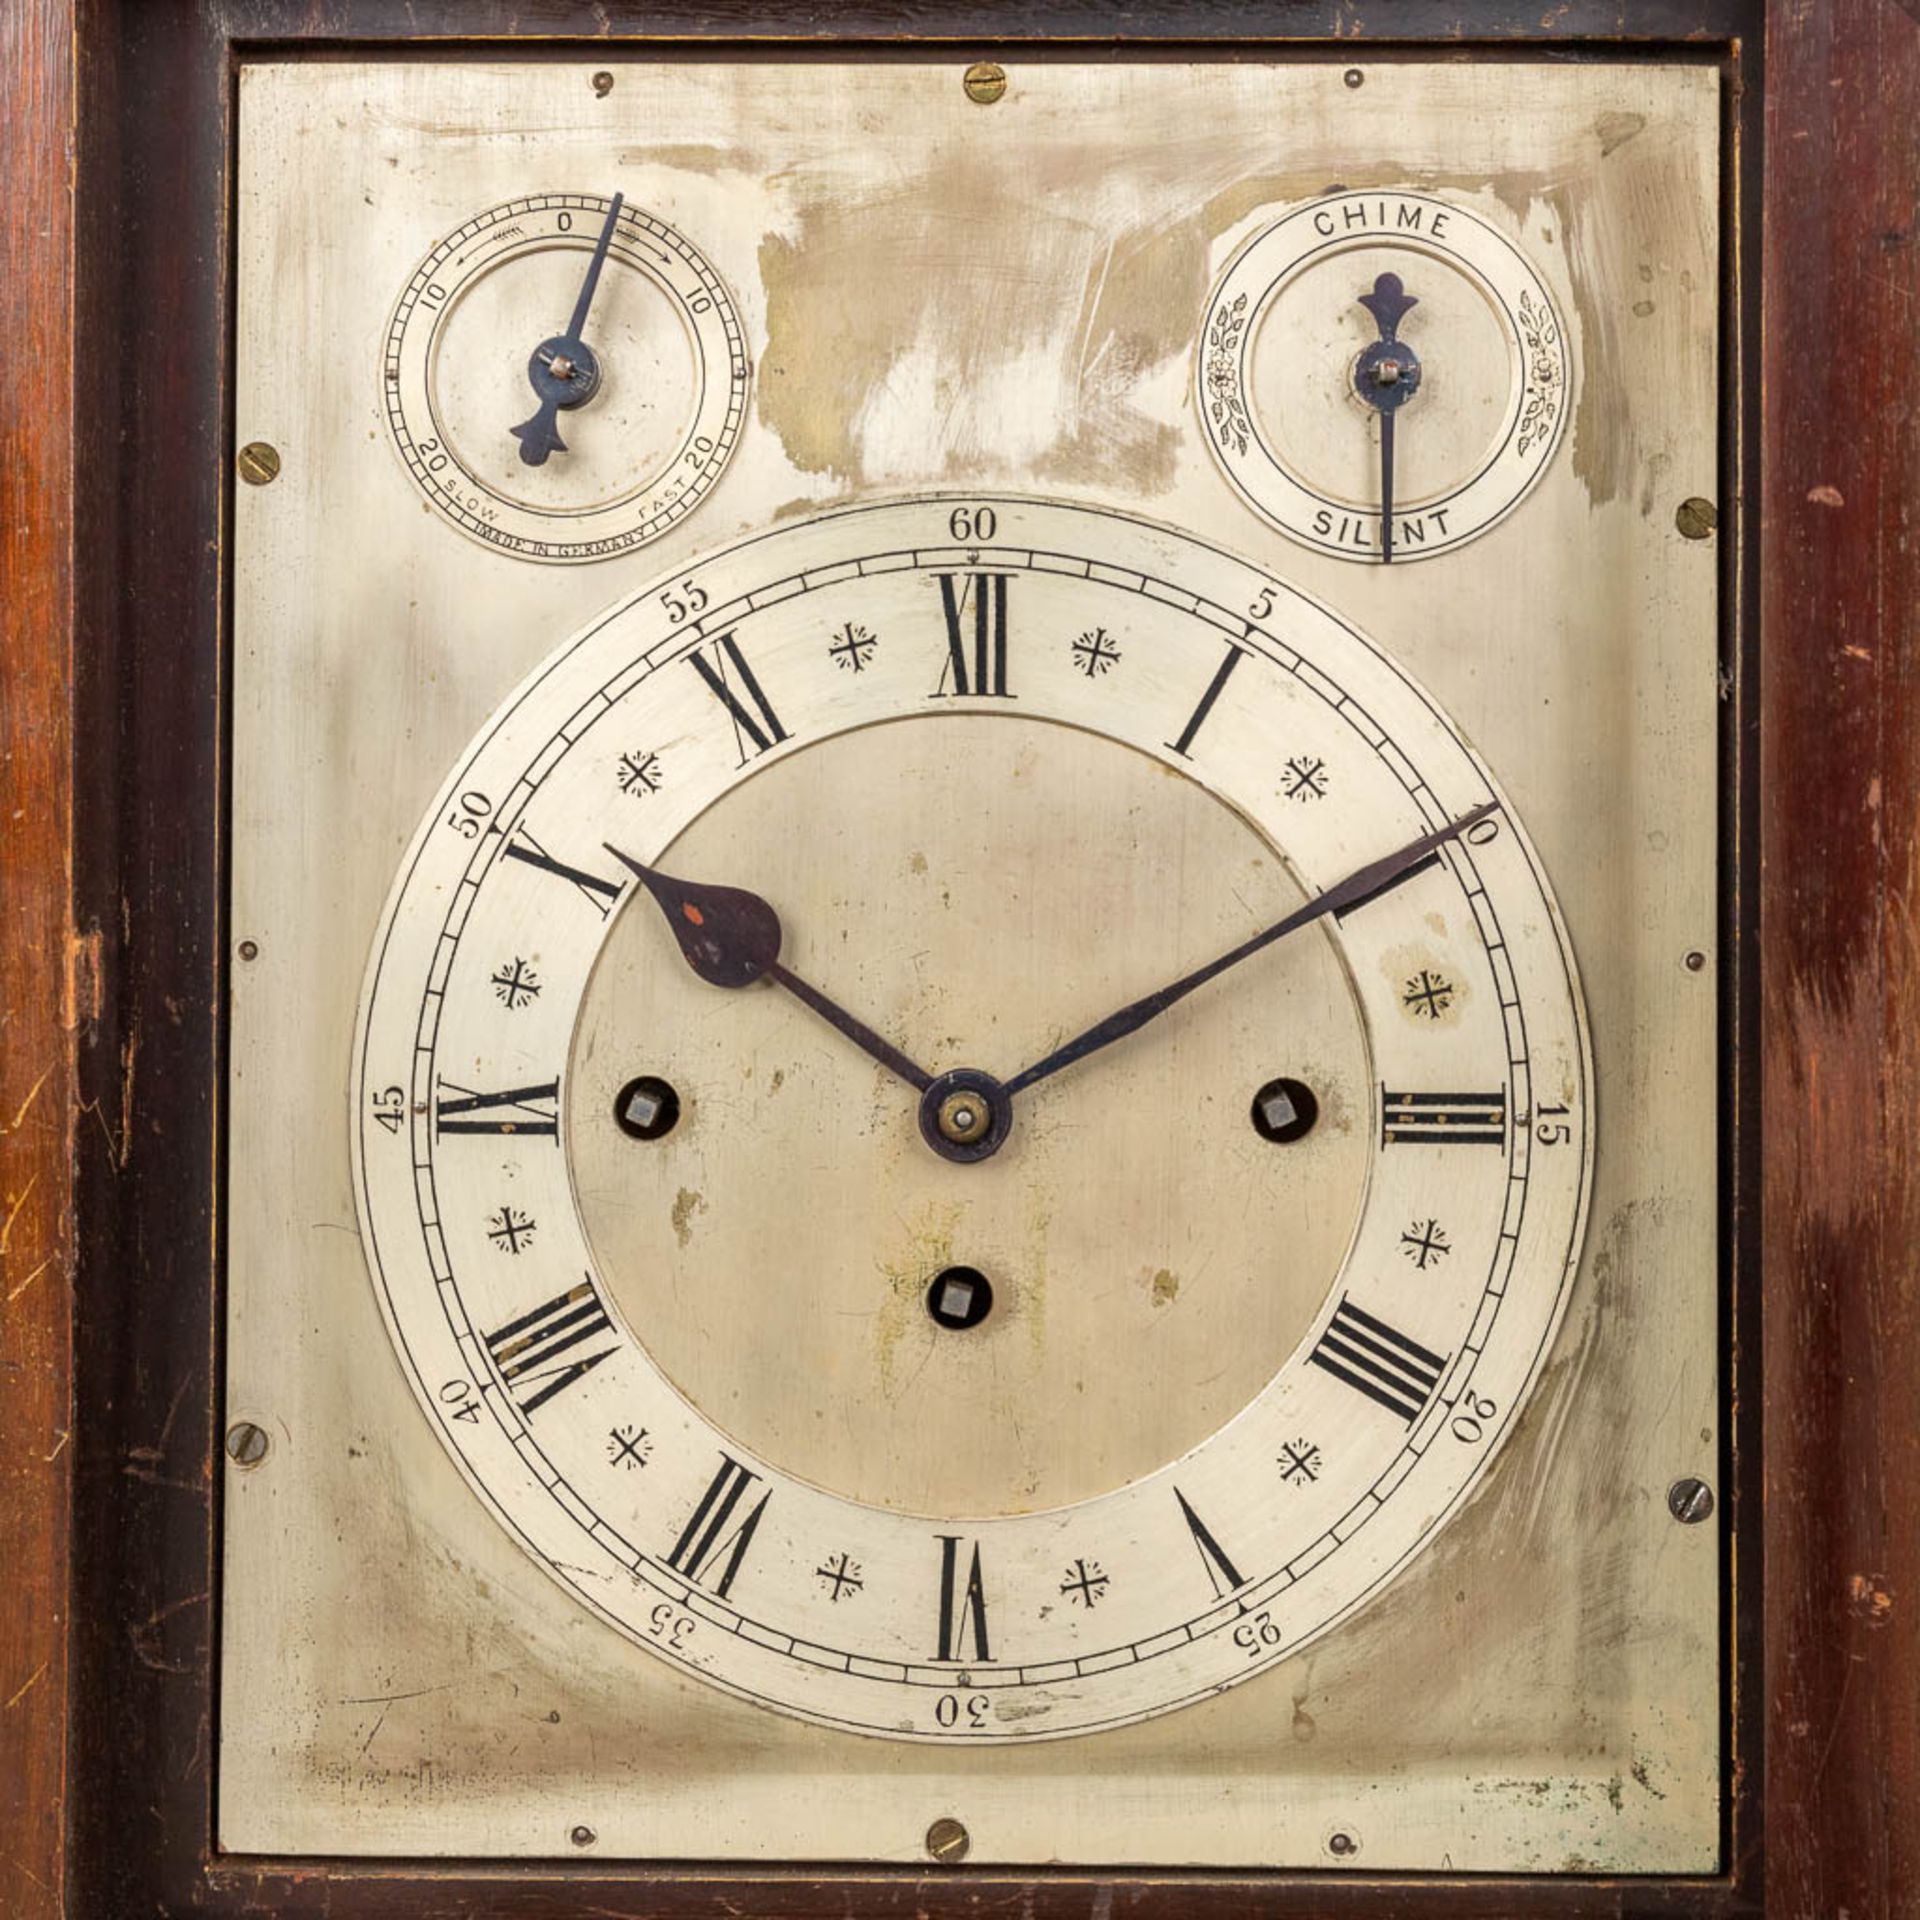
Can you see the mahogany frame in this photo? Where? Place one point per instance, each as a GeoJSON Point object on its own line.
{"type": "Point", "coordinates": [115, 120]}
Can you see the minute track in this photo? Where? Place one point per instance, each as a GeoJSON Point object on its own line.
{"type": "Point", "coordinates": [775, 1637]}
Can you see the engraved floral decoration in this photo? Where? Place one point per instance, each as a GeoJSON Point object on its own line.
{"type": "Point", "coordinates": [1546, 373]}
{"type": "Point", "coordinates": [1226, 393]}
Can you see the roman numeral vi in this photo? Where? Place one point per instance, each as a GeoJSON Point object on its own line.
{"type": "Point", "coordinates": [963, 1603]}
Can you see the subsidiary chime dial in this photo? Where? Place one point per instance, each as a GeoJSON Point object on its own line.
{"type": "Point", "coordinates": [1382, 375]}
{"type": "Point", "coordinates": [565, 376]}
{"type": "Point", "coordinates": [848, 996]}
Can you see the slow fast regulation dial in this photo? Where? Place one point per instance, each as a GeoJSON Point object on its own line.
{"type": "Point", "coordinates": [1382, 375]}
{"type": "Point", "coordinates": [565, 376]}
{"type": "Point", "coordinates": [972, 1118]}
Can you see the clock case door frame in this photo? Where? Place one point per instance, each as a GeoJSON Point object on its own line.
{"type": "Point", "coordinates": [113, 602]}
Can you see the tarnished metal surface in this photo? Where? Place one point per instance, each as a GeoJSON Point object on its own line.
{"type": "Point", "coordinates": [936, 294]}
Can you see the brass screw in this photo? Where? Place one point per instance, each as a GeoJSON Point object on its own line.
{"type": "Point", "coordinates": [583, 1836]}
{"type": "Point", "coordinates": [1696, 518]}
{"type": "Point", "coordinates": [1343, 1846]}
{"type": "Point", "coordinates": [1696, 961]}
{"type": "Point", "coordinates": [249, 949]}
{"type": "Point", "coordinates": [985, 82]}
{"type": "Point", "coordinates": [246, 1444]}
{"type": "Point", "coordinates": [603, 83]}
{"type": "Point", "coordinates": [948, 1842]}
{"type": "Point", "coordinates": [259, 463]}
{"type": "Point", "coordinates": [1354, 77]}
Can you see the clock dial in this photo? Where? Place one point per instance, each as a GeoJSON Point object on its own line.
{"type": "Point", "coordinates": [565, 376]}
{"type": "Point", "coordinates": [1383, 374]}
{"type": "Point", "coordinates": [902, 1440]}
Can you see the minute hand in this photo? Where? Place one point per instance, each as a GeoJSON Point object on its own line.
{"type": "Point", "coordinates": [1348, 892]}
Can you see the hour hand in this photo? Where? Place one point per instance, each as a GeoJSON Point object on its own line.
{"type": "Point", "coordinates": [731, 938]}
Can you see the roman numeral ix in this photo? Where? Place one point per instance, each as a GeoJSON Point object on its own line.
{"type": "Point", "coordinates": [534, 1111]}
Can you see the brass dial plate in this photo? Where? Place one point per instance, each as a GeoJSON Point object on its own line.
{"type": "Point", "coordinates": [936, 294]}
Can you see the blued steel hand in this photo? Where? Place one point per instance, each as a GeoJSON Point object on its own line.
{"type": "Point", "coordinates": [1350, 892]}
{"type": "Point", "coordinates": [731, 938]}
{"type": "Point", "coordinates": [564, 371]}
{"type": "Point", "coordinates": [1387, 376]}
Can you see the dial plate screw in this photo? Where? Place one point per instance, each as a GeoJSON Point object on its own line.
{"type": "Point", "coordinates": [948, 1842]}
{"type": "Point", "coordinates": [1696, 518]}
{"type": "Point", "coordinates": [259, 463]}
{"type": "Point", "coordinates": [1690, 1501]}
{"type": "Point", "coordinates": [985, 82]}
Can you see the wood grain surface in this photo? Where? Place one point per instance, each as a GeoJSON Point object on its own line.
{"type": "Point", "coordinates": [1840, 887]}
{"type": "Point", "coordinates": [45, 974]}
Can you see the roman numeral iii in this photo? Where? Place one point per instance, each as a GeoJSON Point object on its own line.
{"type": "Point", "coordinates": [1379, 1361]}
{"type": "Point", "coordinates": [528, 1350]}
{"type": "Point", "coordinates": [1444, 1119]}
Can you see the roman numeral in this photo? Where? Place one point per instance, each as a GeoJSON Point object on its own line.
{"type": "Point", "coordinates": [1220, 1570]}
{"type": "Point", "coordinates": [1198, 718]}
{"type": "Point", "coordinates": [1400, 879]}
{"type": "Point", "coordinates": [525, 1350]}
{"type": "Point", "coordinates": [600, 894]}
{"type": "Point", "coordinates": [759, 729]}
{"type": "Point", "coordinates": [1378, 1360]}
{"type": "Point", "coordinates": [519, 1110]}
{"type": "Point", "coordinates": [961, 1607]}
{"type": "Point", "coordinates": [1444, 1119]}
{"type": "Point", "coordinates": [987, 594]}
{"type": "Point", "coordinates": [706, 1542]}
